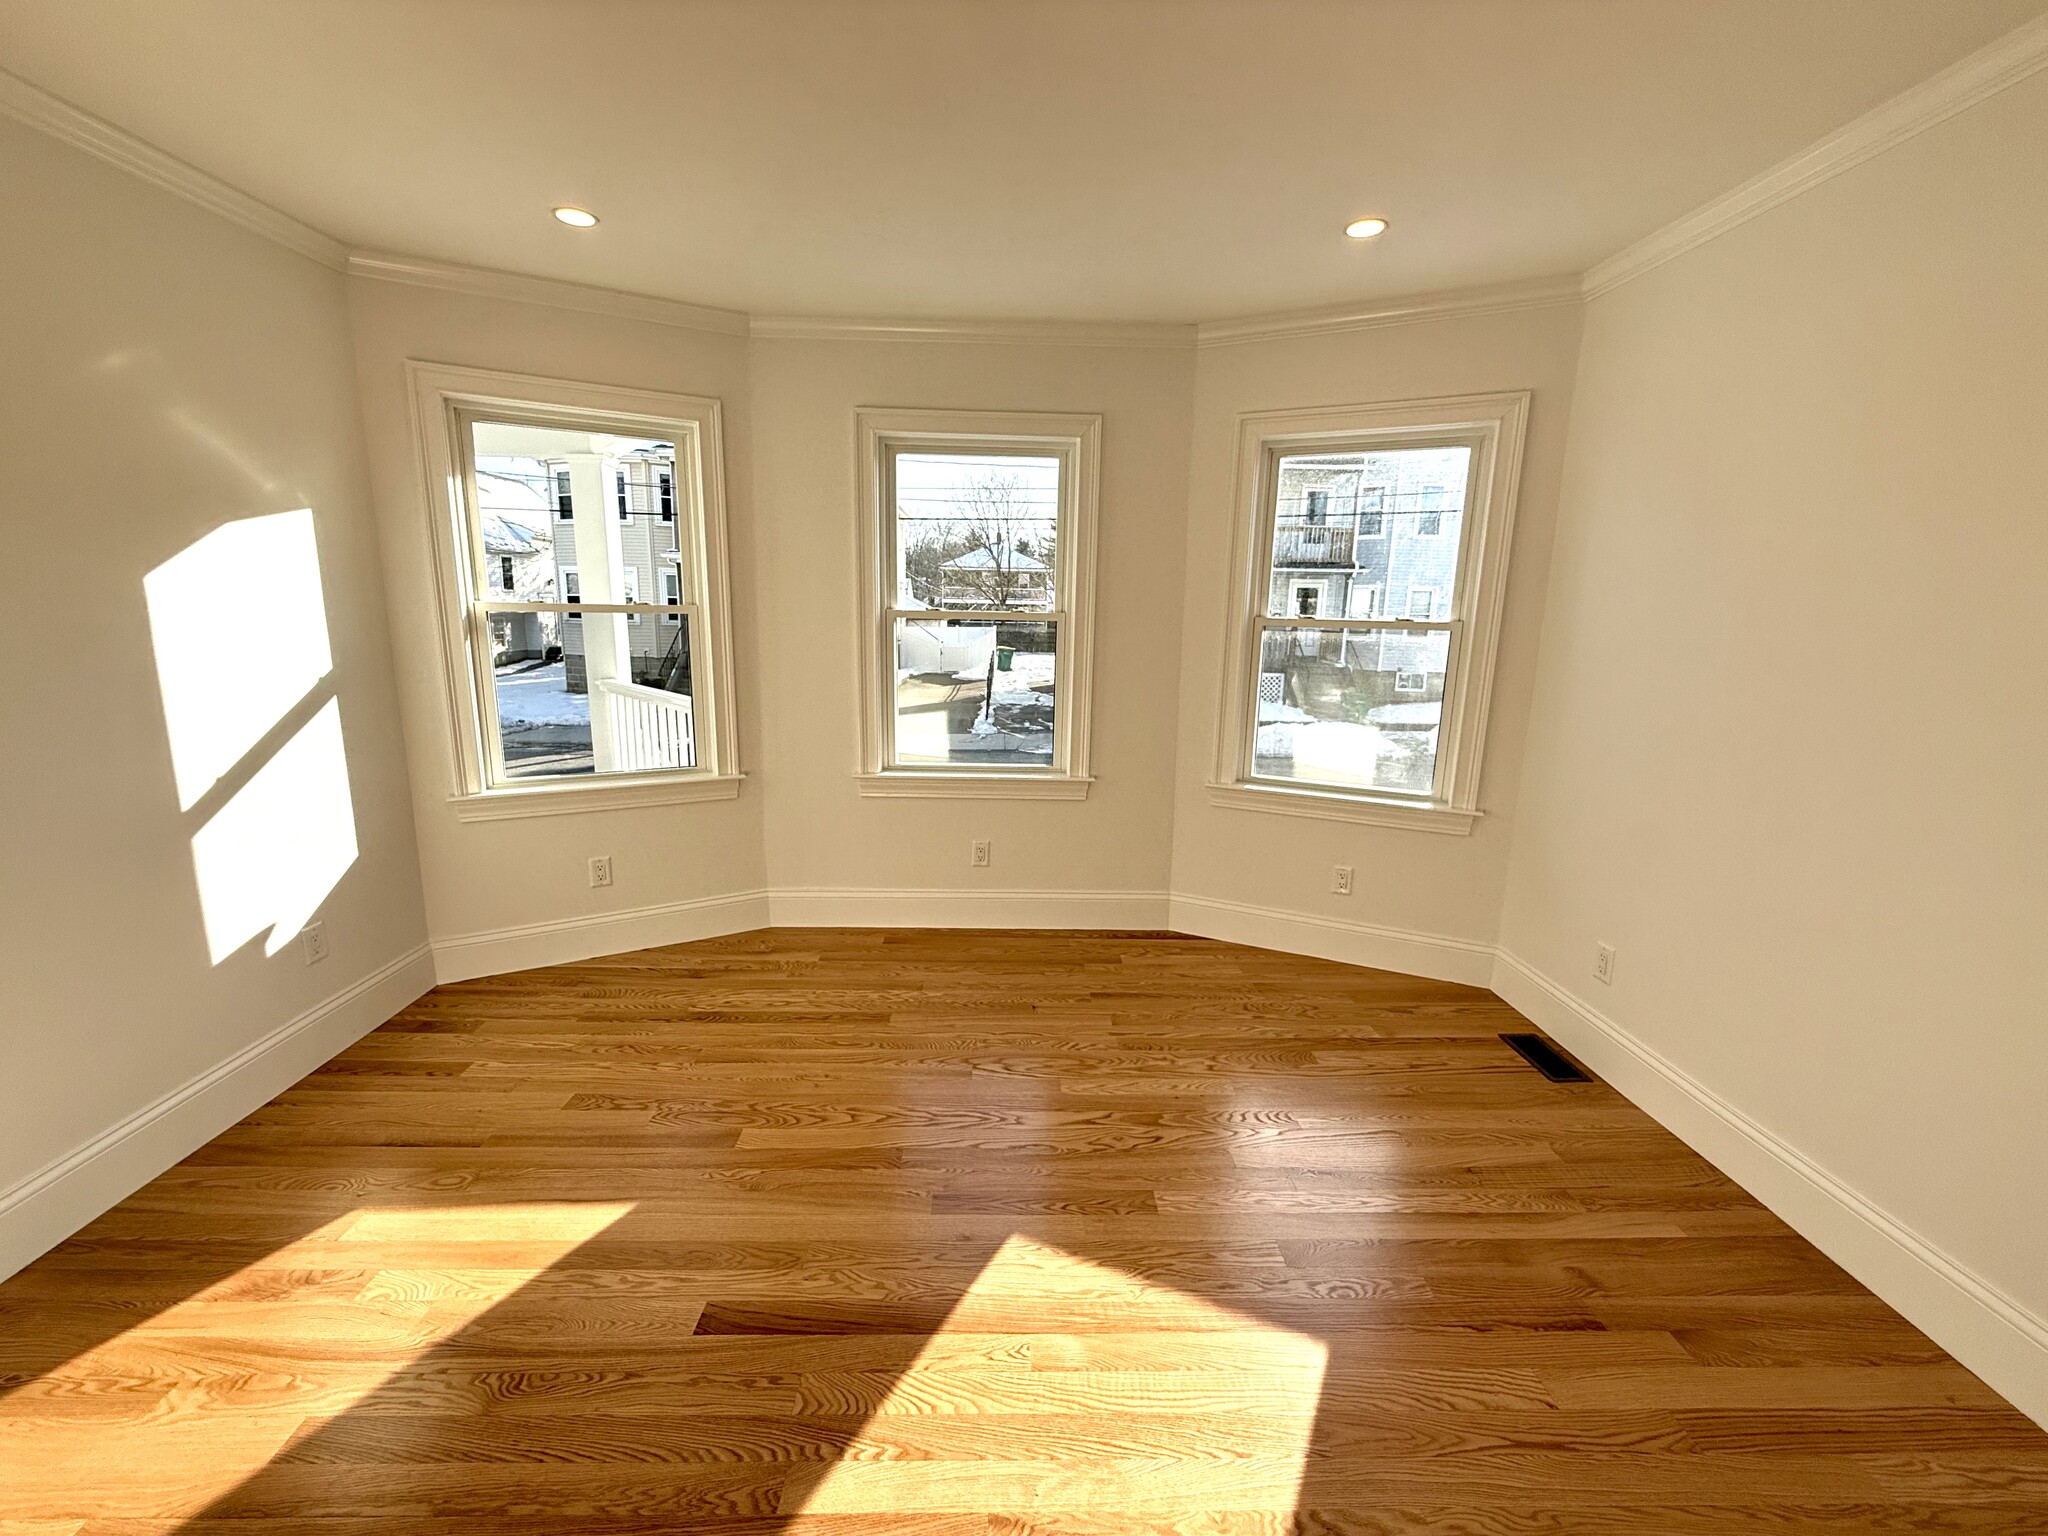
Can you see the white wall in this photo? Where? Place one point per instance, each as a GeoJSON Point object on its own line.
{"type": "Point", "coordinates": [821, 834]}
{"type": "Point", "coordinates": [501, 894]}
{"type": "Point", "coordinates": [1419, 882]}
{"type": "Point", "coordinates": [165, 373]}
{"type": "Point", "coordinates": [1789, 742]}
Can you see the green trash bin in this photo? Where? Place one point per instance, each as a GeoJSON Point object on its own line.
{"type": "Point", "coordinates": [1005, 654]}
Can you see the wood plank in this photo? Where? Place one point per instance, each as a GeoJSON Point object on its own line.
{"type": "Point", "coordinates": [907, 1233]}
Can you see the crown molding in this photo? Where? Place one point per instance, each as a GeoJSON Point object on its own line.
{"type": "Point", "coordinates": [1056, 333]}
{"type": "Point", "coordinates": [2005, 63]}
{"type": "Point", "coordinates": [485, 282]}
{"type": "Point", "coordinates": [1406, 309]}
{"type": "Point", "coordinates": [36, 107]}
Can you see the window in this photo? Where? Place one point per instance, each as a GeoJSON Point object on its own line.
{"type": "Point", "coordinates": [977, 602]}
{"type": "Point", "coordinates": [505, 573]}
{"type": "Point", "coordinates": [593, 705]}
{"type": "Point", "coordinates": [1316, 507]}
{"type": "Point", "coordinates": [1307, 600]}
{"type": "Point", "coordinates": [667, 482]}
{"type": "Point", "coordinates": [1375, 714]}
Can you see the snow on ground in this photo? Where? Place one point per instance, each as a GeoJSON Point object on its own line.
{"type": "Point", "coordinates": [539, 696]}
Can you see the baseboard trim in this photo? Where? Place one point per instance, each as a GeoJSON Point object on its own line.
{"type": "Point", "coordinates": [835, 907]}
{"type": "Point", "coordinates": [1983, 1327]}
{"type": "Point", "coordinates": [1436, 956]}
{"type": "Point", "coordinates": [495, 951]}
{"type": "Point", "coordinates": [57, 1200]}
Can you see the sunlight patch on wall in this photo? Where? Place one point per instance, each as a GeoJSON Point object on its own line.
{"type": "Point", "coordinates": [269, 857]}
{"type": "Point", "coordinates": [161, 1421]}
{"type": "Point", "coordinates": [1116, 1394]}
{"type": "Point", "coordinates": [239, 624]}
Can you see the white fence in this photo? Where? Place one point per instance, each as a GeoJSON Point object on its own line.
{"type": "Point", "coordinates": [651, 728]}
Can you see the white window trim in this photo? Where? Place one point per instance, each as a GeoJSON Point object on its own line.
{"type": "Point", "coordinates": [695, 425]}
{"type": "Point", "coordinates": [1408, 607]}
{"type": "Point", "coordinates": [1495, 425]}
{"type": "Point", "coordinates": [1296, 586]}
{"type": "Point", "coordinates": [1077, 441]}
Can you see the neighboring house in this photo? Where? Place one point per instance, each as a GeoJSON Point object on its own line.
{"type": "Point", "coordinates": [642, 494]}
{"type": "Point", "coordinates": [518, 560]}
{"type": "Point", "coordinates": [1370, 536]}
{"type": "Point", "coordinates": [991, 578]}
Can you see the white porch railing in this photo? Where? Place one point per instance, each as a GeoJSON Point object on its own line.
{"type": "Point", "coordinates": [651, 728]}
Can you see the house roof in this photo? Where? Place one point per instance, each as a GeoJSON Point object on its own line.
{"type": "Point", "coordinates": [507, 538]}
{"type": "Point", "coordinates": [984, 559]}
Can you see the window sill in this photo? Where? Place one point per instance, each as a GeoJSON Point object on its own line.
{"type": "Point", "coordinates": [972, 786]}
{"type": "Point", "coordinates": [1336, 805]}
{"type": "Point", "coordinates": [571, 799]}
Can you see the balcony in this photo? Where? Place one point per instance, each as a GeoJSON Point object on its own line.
{"type": "Point", "coordinates": [1301, 545]}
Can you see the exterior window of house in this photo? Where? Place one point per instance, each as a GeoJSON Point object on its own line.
{"type": "Point", "coordinates": [1376, 714]}
{"type": "Point", "coordinates": [505, 573]}
{"type": "Point", "coordinates": [625, 502]}
{"type": "Point", "coordinates": [977, 598]}
{"type": "Point", "coordinates": [668, 497]}
{"type": "Point", "coordinates": [1308, 599]}
{"type": "Point", "coordinates": [603, 706]}
{"type": "Point", "coordinates": [1372, 512]}
{"type": "Point", "coordinates": [1315, 507]}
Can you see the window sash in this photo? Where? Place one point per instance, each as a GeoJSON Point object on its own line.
{"type": "Point", "coordinates": [482, 605]}
{"type": "Point", "coordinates": [1469, 609]}
{"type": "Point", "coordinates": [1455, 628]}
{"type": "Point", "coordinates": [892, 611]}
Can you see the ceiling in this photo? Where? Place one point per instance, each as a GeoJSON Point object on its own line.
{"type": "Point", "coordinates": [1027, 159]}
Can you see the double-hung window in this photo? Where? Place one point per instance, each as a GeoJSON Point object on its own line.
{"type": "Point", "coordinates": [581, 690]}
{"type": "Point", "coordinates": [978, 539]}
{"type": "Point", "coordinates": [1376, 712]}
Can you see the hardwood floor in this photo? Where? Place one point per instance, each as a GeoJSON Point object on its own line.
{"type": "Point", "coordinates": [885, 1233]}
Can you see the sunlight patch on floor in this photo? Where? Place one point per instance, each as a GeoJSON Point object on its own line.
{"type": "Point", "coordinates": [1135, 1398]}
{"type": "Point", "coordinates": [171, 1414]}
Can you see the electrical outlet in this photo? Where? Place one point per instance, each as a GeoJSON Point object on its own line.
{"type": "Point", "coordinates": [1603, 964]}
{"type": "Point", "coordinates": [313, 940]}
{"type": "Point", "coordinates": [978, 857]}
{"type": "Point", "coordinates": [601, 871]}
{"type": "Point", "coordinates": [1340, 879]}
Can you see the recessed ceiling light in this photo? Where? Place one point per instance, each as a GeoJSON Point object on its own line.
{"type": "Point", "coordinates": [582, 218]}
{"type": "Point", "coordinates": [1359, 229]}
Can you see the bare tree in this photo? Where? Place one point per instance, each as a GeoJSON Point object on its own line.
{"type": "Point", "coordinates": [1008, 556]}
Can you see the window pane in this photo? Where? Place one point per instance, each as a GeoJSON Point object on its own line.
{"type": "Point", "coordinates": [976, 530]}
{"type": "Point", "coordinates": [975, 695]}
{"type": "Point", "coordinates": [545, 693]}
{"type": "Point", "coordinates": [1347, 522]}
{"type": "Point", "coordinates": [1356, 709]}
